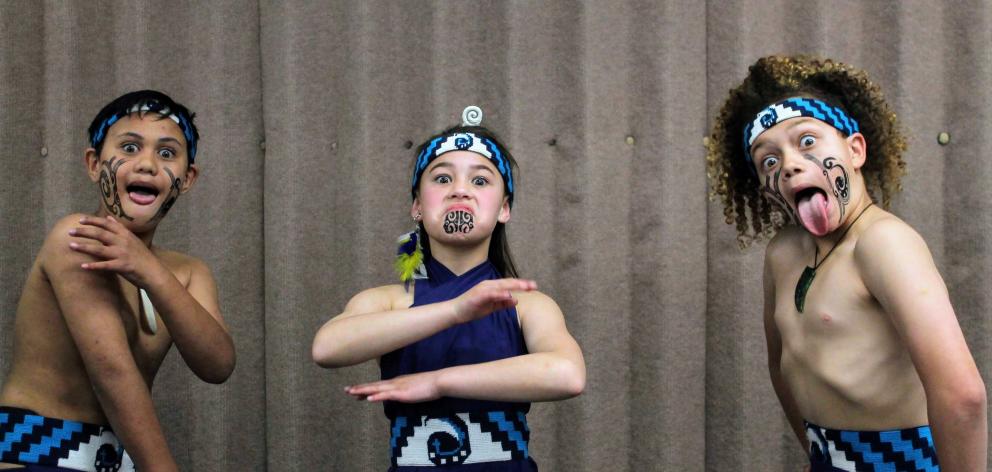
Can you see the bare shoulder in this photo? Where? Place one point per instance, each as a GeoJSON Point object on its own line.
{"type": "Point", "coordinates": [785, 247]}
{"type": "Point", "coordinates": [60, 231]}
{"type": "Point", "coordinates": [895, 264]}
{"type": "Point", "coordinates": [536, 303]}
{"type": "Point", "coordinates": [891, 241]}
{"type": "Point", "coordinates": [382, 298]}
{"type": "Point", "coordinates": [888, 236]}
{"type": "Point", "coordinates": [55, 249]}
{"type": "Point", "coordinates": [183, 264]}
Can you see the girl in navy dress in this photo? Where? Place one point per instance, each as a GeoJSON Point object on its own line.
{"type": "Point", "coordinates": [463, 346]}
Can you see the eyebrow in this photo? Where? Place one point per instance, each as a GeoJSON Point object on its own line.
{"type": "Point", "coordinates": [795, 122]}
{"type": "Point", "coordinates": [132, 134]}
{"type": "Point", "coordinates": [450, 165]}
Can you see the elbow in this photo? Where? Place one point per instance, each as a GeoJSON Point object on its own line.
{"type": "Point", "coordinates": [107, 374]}
{"type": "Point", "coordinates": [220, 373]}
{"type": "Point", "coordinates": [965, 401]}
{"type": "Point", "coordinates": [324, 355]}
{"type": "Point", "coordinates": [970, 400]}
{"type": "Point", "coordinates": [576, 386]}
{"type": "Point", "coordinates": [221, 368]}
{"type": "Point", "coordinates": [572, 379]}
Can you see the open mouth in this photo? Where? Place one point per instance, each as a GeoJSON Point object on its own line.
{"type": "Point", "coordinates": [142, 193]}
{"type": "Point", "coordinates": [808, 194]}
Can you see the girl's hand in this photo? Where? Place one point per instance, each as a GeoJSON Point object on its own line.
{"type": "Point", "coordinates": [118, 248]}
{"type": "Point", "coordinates": [413, 388]}
{"type": "Point", "coordinates": [489, 296]}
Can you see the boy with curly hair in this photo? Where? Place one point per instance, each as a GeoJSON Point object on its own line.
{"type": "Point", "coordinates": [864, 349]}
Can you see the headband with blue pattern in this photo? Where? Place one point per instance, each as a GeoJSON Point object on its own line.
{"type": "Point", "coordinates": [151, 106]}
{"type": "Point", "coordinates": [794, 108]}
{"type": "Point", "coordinates": [462, 141]}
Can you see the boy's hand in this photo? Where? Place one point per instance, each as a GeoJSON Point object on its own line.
{"type": "Point", "coordinates": [489, 296]}
{"type": "Point", "coordinates": [413, 388]}
{"type": "Point", "coordinates": [120, 250]}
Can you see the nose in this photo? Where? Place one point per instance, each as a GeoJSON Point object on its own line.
{"type": "Point", "coordinates": [460, 189]}
{"type": "Point", "coordinates": [793, 163]}
{"type": "Point", "coordinates": [146, 163]}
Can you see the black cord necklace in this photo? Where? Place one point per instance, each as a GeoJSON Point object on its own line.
{"type": "Point", "coordinates": [806, 280]}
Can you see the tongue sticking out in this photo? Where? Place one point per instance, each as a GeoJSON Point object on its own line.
{"type": "Point", "coordinates": [141, 197]}
{"type": "Point", "coordinates": [813, 213]}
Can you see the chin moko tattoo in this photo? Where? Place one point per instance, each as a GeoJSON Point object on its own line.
{"type": "Point", "coordinates": [109, 189]}
{"type": "Point", "coordinates": [458, 221]}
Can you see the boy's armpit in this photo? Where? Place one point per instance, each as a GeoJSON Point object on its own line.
{"type": "Point", "coordinates": [203, 288]}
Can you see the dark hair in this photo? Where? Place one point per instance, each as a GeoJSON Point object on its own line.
{"type": "Point", "coordinates": [154, 101]}
{"type": "Point", "coordinates": [499, 247]}
{"type": "Point", "coordinates": [772, 79]}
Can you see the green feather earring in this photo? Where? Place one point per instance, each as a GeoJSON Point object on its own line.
{"type": "Point", "coordinates": [410, 257]}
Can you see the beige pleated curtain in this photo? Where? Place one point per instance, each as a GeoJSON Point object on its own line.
{"type": "Point", "coordinates": [308, 111]}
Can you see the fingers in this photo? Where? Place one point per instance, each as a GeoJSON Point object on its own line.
{"type": "Point", "coordinates": [516, 285]}
{"type": "Point", "coordinates": [373, 392]}
{"type": "Point", "coordinates": [96, 250]}
{"type": "Point", "coordinates": [108, 223]}
{"type": "Point", "coordinates": [94, 233]}
{"type": "Point", "coordinates": [103, 265]}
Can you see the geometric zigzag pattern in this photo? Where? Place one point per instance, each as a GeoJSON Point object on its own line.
{"type": "Point", "coordinates": [908, 449]}
{"type": "Point", "coordinates": [27, 438]}
{"type": "Point", "coordinates": [463, 438]}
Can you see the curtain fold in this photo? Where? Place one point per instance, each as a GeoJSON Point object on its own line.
{"type": "Point", "coordinates": [310, 113]}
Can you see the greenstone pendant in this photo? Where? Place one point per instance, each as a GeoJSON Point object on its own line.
{"type": "Point", "coordinates": [805, 281]}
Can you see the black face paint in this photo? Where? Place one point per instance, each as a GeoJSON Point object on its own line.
{"type": "Point", "coordinates": [458, 221]}
{"type": "Point", "coordinates": [108, 187]}
{"type": "Point", "coordinates": [774, 195]}
{"type": "Point", "coordinates": [837, 181]}
{"type": "Point", "coordinates": [170, 199]}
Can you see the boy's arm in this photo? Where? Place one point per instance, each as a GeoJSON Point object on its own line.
{"type": "Point", "coordinates": [193, 317]}
{"type": "Point", "coordinates": [553, 370]}
{"type": "Point", "coordinates": [899, 272]}
{"type": "Point", "coordinates": [774, 343]}
{"type": "Point", "coordinates": [191, 313]}
{"type": "Point", "coordinates": [90, 303]}
{"type": "Point", "coordinates": [369, 327]}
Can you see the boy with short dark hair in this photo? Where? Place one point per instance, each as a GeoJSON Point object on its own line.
{"type": "Point", "coordinates": [102, 306]}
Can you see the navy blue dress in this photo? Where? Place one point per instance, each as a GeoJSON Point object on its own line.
{"type": "Point", "coordinates": [470, 435]}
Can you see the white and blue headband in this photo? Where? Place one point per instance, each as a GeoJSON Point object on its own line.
{"type": "Point", "coordinates": [462, 141]}
{"type": "Point", "coordinates": [150, 106]}
{"type": "Point", "coordinates": [794, 108]}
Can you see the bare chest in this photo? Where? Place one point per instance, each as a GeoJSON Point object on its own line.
{"type": "Point", "coordinates": [836, 305]}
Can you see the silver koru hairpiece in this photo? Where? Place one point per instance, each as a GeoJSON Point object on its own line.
{"type": "Point", "coordinates": [472, 116]}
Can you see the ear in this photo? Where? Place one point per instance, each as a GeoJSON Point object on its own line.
{"type": "Point", "coordinates": [92, 161]}
{"type": "Point", "coordinates": [192, 172]}
{"type": "Point", "coordinates": [504, 211]}
{"type": "Point", "coordinates": [859, 149]}
{"type": "Point", "coordinates": [415, 212]}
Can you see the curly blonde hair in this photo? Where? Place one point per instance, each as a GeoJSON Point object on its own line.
{"type": "Point", "coordinates": [774, 78]}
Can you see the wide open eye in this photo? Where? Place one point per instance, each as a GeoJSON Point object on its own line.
{"type": "Point", "coordinates": [442, 179]}
{"type": "Point", "coordinates": [130, 148]}
{"type": "Point", "coordinates": [480, 181]}
{"type": "Point", "coordinates": [166, 153]}
{"type": "Point", "coordinates": [769, 162]}
{"type": "Point", "coordinates": [807, 140]}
